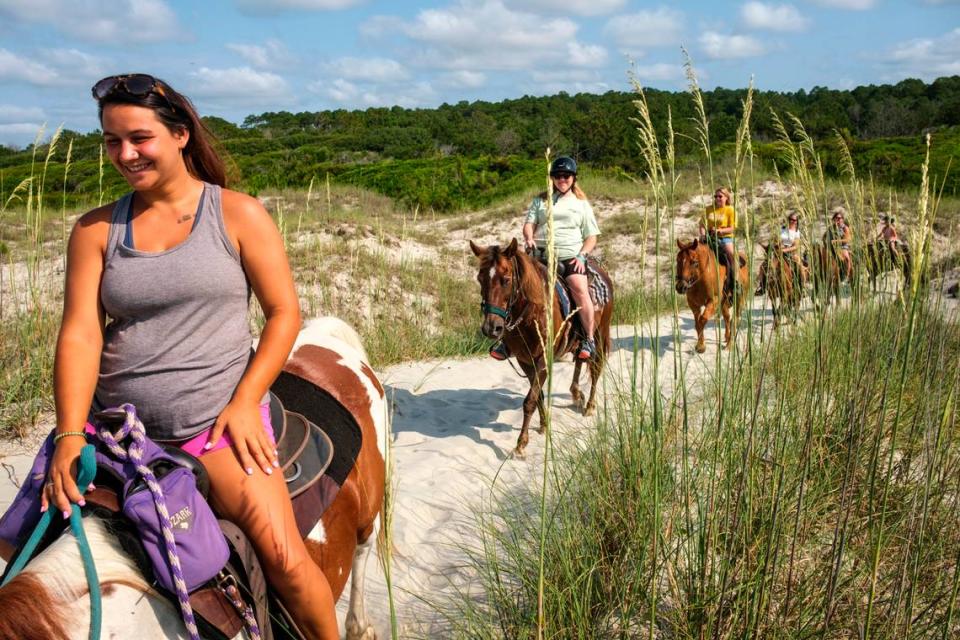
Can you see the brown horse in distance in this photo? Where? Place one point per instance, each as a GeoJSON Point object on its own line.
{"type": "Point", "coordinates": [784, 282]}
{"type": "Point", "coordinates": [698, 277]}
{"type": "Point", "coordinates": [880, 258]}
{"type": "Point", "coordinates": [825, 273]}
{"type": "Point", "coordinates": [517, 285]}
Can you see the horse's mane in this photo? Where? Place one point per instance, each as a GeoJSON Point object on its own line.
{"type": "Point", "coordinates": [29, 611]}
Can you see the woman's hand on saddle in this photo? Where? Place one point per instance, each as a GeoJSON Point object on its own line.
{"type": "Point", "coordinates": [580, 264]}
{"type": "Point", "coordinates": [529, 245]}
{"type": "Point", "coordinates": [241, 420]}
{"type": "Point", "coordinates": [61, 488]}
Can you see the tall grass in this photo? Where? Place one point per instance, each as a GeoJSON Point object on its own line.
{"type": "Point", "coordinates": [809, 489]}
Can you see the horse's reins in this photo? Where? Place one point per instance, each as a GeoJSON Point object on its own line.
{"type": "Point", "coordinates": [86, 470]}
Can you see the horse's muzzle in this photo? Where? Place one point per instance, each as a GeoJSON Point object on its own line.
{"type": "Point", "coordinates": [492, 326]}
{"type": "Point", "coordinates": [682, 286]}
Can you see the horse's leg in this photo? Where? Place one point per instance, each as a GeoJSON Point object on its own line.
{"type": "Point", "coordinates": [530, 404]}
{"type": "Point", "coordinates": [358, 625]}
{"type": "Point", "coordinates": [727, 323]}
{"type": "Point", "coordinates": [701, 322]}
{"type": "Point", "coordinates": [575, 392]}
{"type": "Point", "coordinates": [596, 368]}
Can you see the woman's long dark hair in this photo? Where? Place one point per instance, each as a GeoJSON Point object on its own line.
{"type": "Point", "coordinates": [177, 113]}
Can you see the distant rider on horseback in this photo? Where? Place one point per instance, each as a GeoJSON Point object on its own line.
{"type": "Point", "coordinates": [717, 229]}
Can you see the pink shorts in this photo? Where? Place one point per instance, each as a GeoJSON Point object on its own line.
{"type": "Point", "coordinates": [194, 446]}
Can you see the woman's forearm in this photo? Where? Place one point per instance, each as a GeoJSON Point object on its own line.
{"type": "Point", "coordinates": [75, 369]}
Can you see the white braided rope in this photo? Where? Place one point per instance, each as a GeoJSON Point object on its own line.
{"type": "Point", "coordinates": [134, 428]}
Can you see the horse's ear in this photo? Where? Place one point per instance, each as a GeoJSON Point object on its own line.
{"type": "Point", "coordinates": [680, 244]}
{"type": "Point", "coordinates": [477, 251]}
{"type": "Point", "coordinates": [693, 245]}
{"type": "Point", "coordinates": [511, 249]}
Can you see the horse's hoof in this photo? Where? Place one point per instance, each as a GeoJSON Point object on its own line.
{"type": "Point", "coordinates": [701, 348]}
{"type": "Point", "coordinates": [588, 410]}
{"type": "Point", "coordinates": [519, 453]}
{"type": "Point", "coordinates": [541, 430]}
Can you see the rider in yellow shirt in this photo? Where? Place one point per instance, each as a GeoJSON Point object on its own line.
{"type": "Point", "coordinates": [718, 227]}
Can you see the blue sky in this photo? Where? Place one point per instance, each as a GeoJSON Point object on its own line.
{"type": "Point", "coordinates": [238, 57]}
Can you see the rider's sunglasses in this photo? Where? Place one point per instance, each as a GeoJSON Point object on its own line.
{"type": "Point", "coordinates": [563, 175]}
{"type": "Point", "coordinates": [134, 84]}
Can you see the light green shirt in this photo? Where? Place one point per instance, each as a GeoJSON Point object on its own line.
{"type": "Point", "coordinates": [573, 222]}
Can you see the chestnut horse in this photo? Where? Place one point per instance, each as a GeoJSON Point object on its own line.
{"type": "Point", "coordinates": [880, 259]}
{"type": "Point", "coordinates": [516, 284]}
{"type": "Point", "coordinates": [698, 277]}
{"type": "Point", "coordinates": [783, 282]}
{"type": "Point", "coordinates": [49, 599]}
{"type": "Point", "coordinates": [825, 273]}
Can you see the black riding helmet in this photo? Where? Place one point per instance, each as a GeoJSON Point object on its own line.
{"type": "Point", "coordinates": [563, 164]}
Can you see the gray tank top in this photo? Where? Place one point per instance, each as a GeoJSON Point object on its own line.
{"type": "Point", "coordinates": [178, 339]}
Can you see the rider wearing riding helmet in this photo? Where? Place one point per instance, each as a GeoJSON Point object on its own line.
{"type": "Point", "coordinates": [575, 234]}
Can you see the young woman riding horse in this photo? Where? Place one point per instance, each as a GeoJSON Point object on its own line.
{"type": "Point", "coordinates": [575, 234]}
{"type": "Point", "coordinates": [171, 265]}
{"type": "Point", "coordinates": [514, 294]}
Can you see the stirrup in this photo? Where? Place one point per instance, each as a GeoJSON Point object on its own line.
{"type": "Point", "coordinates": [499, 351]}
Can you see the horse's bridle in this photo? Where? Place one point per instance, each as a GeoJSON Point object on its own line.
{"type": "Point", "coordinates": [486, 307]}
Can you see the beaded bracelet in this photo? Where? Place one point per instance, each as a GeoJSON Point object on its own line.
{"type": "Point", "coordinates": [57, 437]}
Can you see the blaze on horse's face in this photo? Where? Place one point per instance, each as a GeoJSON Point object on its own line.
{"type": "Point", "coordinates": [688, 266]}
{"type": "Point", "coordinates": [497, 283]}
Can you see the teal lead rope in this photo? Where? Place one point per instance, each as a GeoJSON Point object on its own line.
{"type": "Point", "coordinates": [87, 469]}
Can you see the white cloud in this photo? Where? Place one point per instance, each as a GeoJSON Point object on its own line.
{"type": "Point", "coordinates": [17, 68]}
{"type": "Point", "coordinates": [101, 21]}
{"type": "Point", "coordinates": [463, 79]}
{"type": "Point", "coordinates": [242, 86]}
{"type": "Point", "coordinates": [272, 54]}
{"type": "Point", "coordinates": [925, 58]}
{"type": "Point", "coordinates": [852, 5]}
{"type": "Point", "coordinates": [277, 6]}
{"type": "Point", "coordinates": [578, 7]}
{"type": "Point", "coordinates": [382, 70]}
{"type": "Point", "coordinates": [586, 55]}
{"type": "Point", "coordinates": [488, 35]}
{"type": "Point", "coordinates": [355, 95]}
{"type": "Point", "coordinates": [656, 28]}
{"type": "Point", "coordinates": [14, 114]}
{"type": "Point", "coordinates": [658, 72]}
{"type": "Point", "coordinates": [721, 46]}
{"type": "Point", "coordinates": [775, 17]}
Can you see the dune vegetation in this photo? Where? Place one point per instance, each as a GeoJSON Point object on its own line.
{"type": "Point", "coordinates": [807, 487]}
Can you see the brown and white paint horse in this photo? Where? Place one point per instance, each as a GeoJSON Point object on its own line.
{"type": "Point", "coordinates": [699, 279]}
{"type": "Point", "coordinates": [514, 282]}
{"type": "Point", "coordinates": [49, 599]}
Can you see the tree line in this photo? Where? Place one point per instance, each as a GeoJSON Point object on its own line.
{"type": "Point", "coordinates": [487, 146]}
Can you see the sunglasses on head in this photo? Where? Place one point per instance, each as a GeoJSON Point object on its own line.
{"type": "Point", "coordinates": [134, 84]}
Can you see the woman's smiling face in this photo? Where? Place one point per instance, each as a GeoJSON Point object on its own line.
{"type": "Point", "coordinates": [140, 146]}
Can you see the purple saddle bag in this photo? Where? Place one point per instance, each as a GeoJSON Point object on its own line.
{"type": "Point", "coordinates": [200, 545]}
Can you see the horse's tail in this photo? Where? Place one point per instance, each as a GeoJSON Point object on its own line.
{"type": "Point", "coordinates": [27, 610]}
